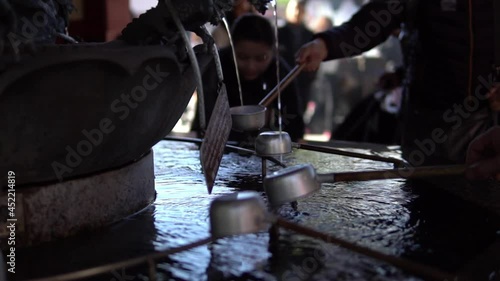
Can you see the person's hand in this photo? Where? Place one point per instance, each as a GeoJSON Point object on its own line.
{"type": "Point", "coordinates": [494, 97]}
{"type": "Point", "coordinates": [483, 156]}
{"type": "Point", "coordinates": [312, 54]}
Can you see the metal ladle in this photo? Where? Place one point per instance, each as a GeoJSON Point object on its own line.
{"type": "Point", "coordinates": [245, 212]}
{"type": "Point", "coordinates": [273, 143]}
{"type": "Point", "coordinates": [241, 213]}
{"type": "Point", "coordinates": [233, 214]}
{"type": "Point", "coordinates": [228, 146]}
{"type": "Point", "coordinates": [292, 183]}
{"type": "Point", "coordinates": [237, 213]}
{"type": "Point", "coordinates": [253, 117]}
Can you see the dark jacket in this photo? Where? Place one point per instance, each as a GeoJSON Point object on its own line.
{"type": "Point", "coordinates": [454, 48]}
{"type": "Point", "coordinates": [253, 93]}
{"type": "Point", "coordinates": [449, 57]}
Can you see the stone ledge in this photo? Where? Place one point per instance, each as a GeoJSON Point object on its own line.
{"type": "Point", "coordinates": [55, 211]}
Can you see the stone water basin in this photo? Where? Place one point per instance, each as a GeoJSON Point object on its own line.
{"type": "Point", "coordinates": [415, 220]}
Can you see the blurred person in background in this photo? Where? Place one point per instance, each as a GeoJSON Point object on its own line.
{"type": "Point", "coordinates": [240, 7]}
{"type": "Point", "coordinates": [255, 48]}
{"type": "Point", "coordinates": [320, 108]}
{"type": "Point", "coordinates": [342, 84]}
{"type": "Point", "coordinates": [292, 34]}
{"type": "Point", "coordinates": [375, 118]}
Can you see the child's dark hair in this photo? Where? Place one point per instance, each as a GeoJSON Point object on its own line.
{"type": "Point", "coordinates": [255, 28]}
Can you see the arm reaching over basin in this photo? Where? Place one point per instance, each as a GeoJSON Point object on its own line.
{"type": "Point", "coordinates": [483, 156]}
{"type": "Point", "coordinates": [443, 74]}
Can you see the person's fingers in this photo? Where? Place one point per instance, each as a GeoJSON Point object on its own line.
{"type": "Point", "coordinates": [476, 149]}
{"type": "Point", "coordinates": [312, 65]}
{"type": "Point", "coordinates": [305, 57]}
{"type": "Point", "coordinates": [311, 55]}
{"type": "Point", "coordinates": [483, 155]}
{"type": "Point", "coordinates": [472, 172]}
{"type": "Point", "coordinates": [484, 169]}
{"type": "Point", "coordinates": [302, 54]}
{"type": "Point", "coordinates": [481, 144]}
{"type": "Point", "coordinates": [494, 97]}
{"type": "Point", "coordinates": [494, 90]}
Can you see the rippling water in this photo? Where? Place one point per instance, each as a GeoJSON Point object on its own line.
{"type": "Point", "coordinates": [408, 219]}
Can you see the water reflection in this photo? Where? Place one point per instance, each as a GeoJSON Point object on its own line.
{"type": "Point", "coordinates": [394, 217]}
{"type": "Point", "coordinates": [129, 238]}
{"type": "Point", "coordinates": [410, 219]}
{"type": "Point", "coordinates": [447, 228]}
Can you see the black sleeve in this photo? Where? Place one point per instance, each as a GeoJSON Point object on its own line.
{"type": "Point", "coordinates": [369, 27]}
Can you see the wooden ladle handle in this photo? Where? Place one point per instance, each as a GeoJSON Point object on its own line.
{"type": "Point", "coordinates": [403, 173]}
{"type": "Point", "coordinates": [422, 270]}
{"type": "Point", "coordinates": [332, 150]}
{"type": "Point", "coordinates": [273, 94]}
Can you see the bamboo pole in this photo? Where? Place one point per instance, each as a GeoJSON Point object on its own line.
{"type": "Point", "coordinates": [273, 94]}
{"type": "Point", "coordinates": [228, 146]}
{"type": "Point", "coordinates": [331, 150]}
{"type": "Point", "coordinates": [424, 271]}
{"type": "Point", "coordinates": [128, 263]}
{"type": "Point", "coordinates": [402, 173]}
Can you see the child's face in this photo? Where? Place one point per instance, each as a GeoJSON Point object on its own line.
{"type": "Point", "coordinates": [253, 58]}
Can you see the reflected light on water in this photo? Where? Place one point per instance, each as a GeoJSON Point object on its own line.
{"type": "Point", "coordinates": [391, 216]}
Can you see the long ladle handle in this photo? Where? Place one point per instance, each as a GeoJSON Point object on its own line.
{"type": "Point", "coordinates": [194, 63]}
{"type": "Point", "coordinates": [402, 173]}
{"type": "Point", "coordinates": [427, 272]}
{"type": "Point", "coordinates": [332, 150]}
{"type": "Point", "coordinates": [273, 94]}
{"type": "Point", "coordinates": [77, 275]}
{"type": "Point", "coordinates": [228, 146]}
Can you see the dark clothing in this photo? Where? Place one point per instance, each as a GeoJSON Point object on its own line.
{"type": "Point", "coordinates": [370, 121]}
{"type": "Point", "coordinates": [445, 45]}
{"type": "Point", "coordinates": [367, 122]}
{"type": "Point", "coordinates": [253, 92]}
{"type": "Point", "coordinates": [449, 58]}
{"type": "Point", "coordinates": [291, 37]}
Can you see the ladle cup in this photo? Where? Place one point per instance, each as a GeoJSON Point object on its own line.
{"type": "Point", "coordinates": [245, 212]}
{"type": "Point", "coordinates": [253, 117]}
{"type": "Point", "coordinates": [234, 214]}
{"type": "Point", "coordinates": [241, 213]}
{"type": "Point", "coordinates": [237, 213]}
{"type": "Point", "coordinates": [272, 143]}
{"type": "Point", "coordinates": [292, 183]}
{"type": "Point", "coordinates": [248, 117]}
{"type": "Point", "coordinates": [269, 145]}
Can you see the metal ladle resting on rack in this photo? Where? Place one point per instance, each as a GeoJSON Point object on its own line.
{"type": "Point", "coordinates": [273, 143]}
{"type": "Point", "coordinates": [242, 213]}
{"type": "Point", "coordinates": [253, 117]}
{"type": "Point", "coordinates": [292, 183]}
{"type": "Point", "coordinates": [245, 212]}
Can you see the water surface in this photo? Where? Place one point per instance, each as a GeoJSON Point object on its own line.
{"type": "Point", "coordinates": [410, 219]}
